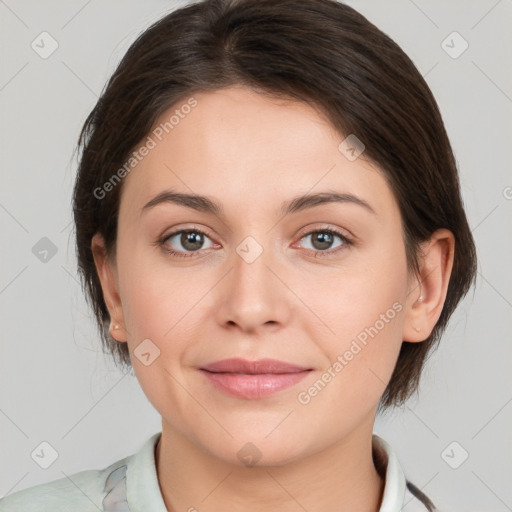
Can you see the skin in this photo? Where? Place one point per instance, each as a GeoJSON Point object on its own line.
{"type": "Point", "coordinates": [251, 153]}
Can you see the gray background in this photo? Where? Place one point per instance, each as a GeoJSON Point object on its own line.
{"type": "Point", "coordinates": [55, 383]}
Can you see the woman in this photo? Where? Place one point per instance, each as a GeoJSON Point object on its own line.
{"type": "Point", "coordinates": [271, 234]}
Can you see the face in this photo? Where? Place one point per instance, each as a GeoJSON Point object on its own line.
{"type": "Point", "coordinates": [321, 286]}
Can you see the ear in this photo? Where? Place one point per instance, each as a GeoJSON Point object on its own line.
{"type": "Point", "coordinates": [427, 291]}
{"type": "Point", "coordinates": [107, 274]}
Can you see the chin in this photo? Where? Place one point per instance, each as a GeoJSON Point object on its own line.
{"type": "Point", "coordinates": [250, 450]}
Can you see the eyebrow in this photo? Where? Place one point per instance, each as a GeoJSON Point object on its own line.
{"type": "Point", "coordinates": [300, 203]}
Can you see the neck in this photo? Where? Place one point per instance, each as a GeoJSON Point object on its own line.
{"type": "Point", "coordinates": [341, 478]}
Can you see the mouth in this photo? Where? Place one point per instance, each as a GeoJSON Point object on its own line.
{"type": "Point", "coordinates": [253, 379]}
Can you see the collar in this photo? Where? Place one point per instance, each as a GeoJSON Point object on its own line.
{"type": "Point", "coordinates": [136, 482]}
{"type": "Point", "coordinates": [142, 485]}
{"type": "Point", "coordinates": [388, 467]}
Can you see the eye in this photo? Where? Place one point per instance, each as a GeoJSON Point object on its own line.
{"type": "Point", "coordinates": [184, 241]}
{"type": "Point", "coordinates": [322, 241]}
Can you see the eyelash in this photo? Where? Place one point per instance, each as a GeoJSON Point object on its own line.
{"type": "Point", "coordinates": [318, 253]}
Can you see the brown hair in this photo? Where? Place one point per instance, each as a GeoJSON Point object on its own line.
{"type": "Point", "coordinates": [316, 51]}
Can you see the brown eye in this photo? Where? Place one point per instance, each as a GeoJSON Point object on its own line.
{"type": "Point", "coordinates": [183, 241]}
{"type": "Point", "coordinates": [323, 242]}
{"type": "Point", "coordinates": [191, 240]}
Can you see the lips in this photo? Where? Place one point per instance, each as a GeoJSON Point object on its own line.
{"type": "Point", "coordinates": [237, 365]}
{"type": "Point", "coordinates": [253, 379]}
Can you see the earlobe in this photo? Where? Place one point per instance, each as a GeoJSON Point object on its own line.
{"type": "Point", "coordinates": [428, 290]}
{"type": "Point", "coordinates": [107, 275]}
{"type": "Point", "coordinates": [114, 330]}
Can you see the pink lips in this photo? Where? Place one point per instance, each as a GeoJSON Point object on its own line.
{"type": "Point", "coordinates": [253, 379]}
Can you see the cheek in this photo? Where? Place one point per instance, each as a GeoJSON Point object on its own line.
{"type": "Point", "coordinates": [351, 298]}
{"type": "Point", "coordinates": [363, 308]}
{"type": "Point", "coordinates": [151, 300]}
{"type": "Point", "coordinates": [162, 303]}
{"type": "Point", "coordinates": [158, 305]}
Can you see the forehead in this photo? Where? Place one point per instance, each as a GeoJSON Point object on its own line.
{"type": "Point", "coordinates": [244, 147]}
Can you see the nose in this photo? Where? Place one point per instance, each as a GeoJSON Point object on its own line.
{"type": "Point", "coordinates": [252, 296]}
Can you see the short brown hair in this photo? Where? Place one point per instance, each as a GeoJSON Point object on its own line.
{"type": "Point", "coordinates": [317, 51]}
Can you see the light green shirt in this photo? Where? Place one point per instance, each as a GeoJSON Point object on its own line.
{"type": "Point", "coordinates": [131, 485]}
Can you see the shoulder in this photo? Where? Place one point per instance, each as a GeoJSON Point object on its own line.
{"type": "Point", "coordinates": [81, 492]}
